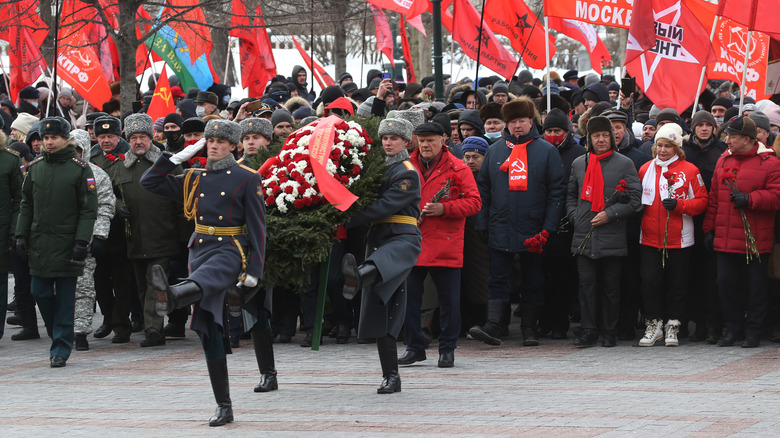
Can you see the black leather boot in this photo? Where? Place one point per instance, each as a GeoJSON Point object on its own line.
{"type": "Point", "coordinates": [264, 353]}
{"type": "Point", "coordinates": [218, 375]}
{"type": "Point", "coordinates": [173, 297]}
{"type": "Point", "coordinates": [357, 277]}
{"type": "Point", "coordinates": [388, 359]}
{"type": "Point", "coordinates": [489, 332]}
{"type": "Point", "coordinates": [528, 325]}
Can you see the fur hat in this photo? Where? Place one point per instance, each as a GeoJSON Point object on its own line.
{"type": "Point", "coordinates": [743, 125]}
{"type": "Point", "coordinates": [81, 138]}
{"type": "Point", "coordinates": [490, 111]}
{"type": "Point", "coordinates": [600, 124]}
{"type": "Point", "coordinates": [414, 116]}
{"type": "Point", "coordinates": [518, 108]}
{"type": "Point", "coordinates": [399, 127]}
{"type": "Point", "coordinates": [671, 132]}
{"type": "Point", "coordinates": [224, 129]}
{"type": "Point", "coordinates": [107, 125]}
{"type": "Point", "coordinates": [139, 124]}
{"type": "Point", "coordinates": [24, 122]}
{"type": "Point", "coordinates": [54, 126]}
{"type": "Point", "coordinates": [256, 125]}
{"type": "Point", "coordinates": [91, 117]}
{"type": "Point", "coordinates": [474, 144]}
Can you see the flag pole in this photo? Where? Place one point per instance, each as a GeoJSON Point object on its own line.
{"type": "Point", "coordinates": [704, 69]}
{"type": "Point", "coordinates": [479, 45]}
{"type": "Point", "coordinates": [227, 62]}
{"type": "Point", "coordinates": [547, 58]}
{"type": "Point", "coordinates": [744, 72]}
{"type": "Point", "coordinates": [520, 58]}
{"type": "Point", "coordinates": [365, 16]}
{"type": "Point", "coordinates": [311, 57]}
{"type": "Point", "coordinates": [56, 47]}
{"type": "Point", "coordinates": [5, 76]}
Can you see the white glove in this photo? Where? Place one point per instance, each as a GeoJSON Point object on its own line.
{"type": "Point", "coordinates": [188, 152]}
{"type": "Point", "coordinates": [249, 281]}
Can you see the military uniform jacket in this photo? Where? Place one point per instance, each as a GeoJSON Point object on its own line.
{"type": "Point", "coordinates": [116, 242]}
{"type": "Point", "coordinates": [229, 197]}
{"type": "Point", "coordinates": [392, 247]}
{"type": "Point", "coordinates": [106, 202]}
{"type": "Point", "coordinates": [10, 198]}
{"type": "Point", "coordinates": [59, 207]}
{"type": "Point", "coordinates": [154, 220]}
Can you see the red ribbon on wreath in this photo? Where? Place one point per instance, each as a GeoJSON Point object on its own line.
{"type": "Point", "coordinates": [320, 146]}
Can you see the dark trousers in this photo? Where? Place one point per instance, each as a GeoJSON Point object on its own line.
{"type": "Point", "coordinates": [56, 298]}
{"type": "Point", "coordinates": [630, 288]}
{"type": "Point", "coordinates": [3, 301]}
{"type": "Point", "coordinates": [114, 291]}
{"type": "Point", "coordinates": [560, 288]}
{"type": "Point", "coordinates": [25, 304]}
{"type": "Point", "coordinates": [743, 290]}
{"type": "Point", "coordinates": [704, 302]}
{"type": "Point", "coordinates": [341, 308]}
{"type": "Point", "coordinates": [285, 311]}
{"type": "Point", "coordinates": [142, 268]}
{"type": "Point", "coordinates": [447, 281]}
{"type": "Point", "coordinates": [661, 302]}
{"type": "Point", "coordinates": [500, 281]}
{"type": "Point", "coordinates": [178, 270]}
{"type": "Point", "coordinates": [599, 290]}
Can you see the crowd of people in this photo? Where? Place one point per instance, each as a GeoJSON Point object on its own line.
{"type": "Point", "coordinates": [603, 209]}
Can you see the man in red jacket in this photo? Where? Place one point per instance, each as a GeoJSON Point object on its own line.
{"type": "Point", "coordinates": [449, 195]}
{"type": "Point", "coordinates": [742, 282]}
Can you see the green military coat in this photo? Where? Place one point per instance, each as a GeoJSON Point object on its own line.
{"type": "Point", "coordinates": [59, 207]}
{"type": "Point", "coordinates": [10, 198]}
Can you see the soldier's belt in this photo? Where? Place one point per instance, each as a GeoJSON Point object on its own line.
{"type": "Point", "coordinates": [218, 231]}
{"type": "Point", "coordinates": [398, 219]}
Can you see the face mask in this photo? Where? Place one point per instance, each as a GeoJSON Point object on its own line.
{"type": "Point", "coordinates": [492, 135]}
{"type": "Point", "coordinates": [172, 137]}
{"type": "Point", "coordinates": [719, 120]}
{"type": "Point", "coordinates": [35, 104]}
{"type": "Point", "coordinates": [189, 142]}
{"type": "Point", "coordinates": [555, 140]}
{"type": "Point", "coordinates": [200, 111]}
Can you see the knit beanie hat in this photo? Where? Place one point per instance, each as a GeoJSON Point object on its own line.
{"type": "Point", "coordinates": [556, 119]}
{"type": "Point", "coordinates": [474, 144]}
{"type": "Point", "coordinates": [281, 115]}
{"type": "Point", "coordinates": [761, 119]}
{"type": "Point", "coordinates": [174, 118]}
{"type": "Point", "coordinates": [24, 122]}
{"type": "Point", "coordinates": [364, 110]}
{"type": "Point", "coordinates": [703, 116]}
{"type": "Point", "coordinates": [671, 132]}
{"type": "Point", "coordinates": [725, 102]}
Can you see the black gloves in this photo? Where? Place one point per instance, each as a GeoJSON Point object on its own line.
{"type": "Point", "coordinates": [12, 244]}
{"type": "Point", "coordinates": [740, 200]}
{"type": "Point", "coordinates": [21, 246]}
{"type": "Point", "coordinates": [98, 246]}
{"type": "Point", "coordinates": [123, 212]}
{"type": "Point", "coordinates": [79, 253]}
{"type": "Point", "coordinates": [669, 203]}
{"type": "Point", "coordinates": [709, 241]}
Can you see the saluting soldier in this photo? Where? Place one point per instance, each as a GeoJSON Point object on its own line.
{"type": "Point", "coordinates": [10, 197]}
{"type": "Point", "coordinates": [225, 201]}
{"type": "Point", "coordinates": [394, 242]}
{"type": "Point", "coordinates": [59, 182]}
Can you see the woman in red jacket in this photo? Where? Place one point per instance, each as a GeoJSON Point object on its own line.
{"type": "Point", "coordinates": [673, 192]}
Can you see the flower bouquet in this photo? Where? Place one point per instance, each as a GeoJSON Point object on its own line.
{"type": "Point", "coordinates": [535, 244]}
{"type": "Point", "coordinates": [729, 178]}
{"type": "Point", "coordinates": [300, 221]}
{"type": "Point", "coordinates": [671, 180]}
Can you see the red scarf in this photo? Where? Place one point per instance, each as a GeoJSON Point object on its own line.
{"type": "Point", "coordinates": [593, 184]}
{"type": "Point", "coordinates": [517, 166]}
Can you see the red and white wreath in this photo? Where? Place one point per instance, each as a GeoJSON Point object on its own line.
{"type": "Point", "coordinates": [289, 181]}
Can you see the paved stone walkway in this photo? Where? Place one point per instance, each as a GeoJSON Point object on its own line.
{"type": "Point", "coordinates": [552, 390]}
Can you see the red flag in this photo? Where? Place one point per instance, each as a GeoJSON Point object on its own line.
{"type": "Point", "coordinates": [614, 13]}
{"type": "Point", "coordinates": [446, 16]}
{"type": "Point", "coordinates": [384, 37]}
{"type": "Point", "coordinates": [142, 53]}
{"type": "Point", "coordinates": [162, 101]}
{"type": "Point", "coordinates": [756, 15]}
{"type": "Point", "coordinates": [729, 43]}
{"type": "Point", "coordinates": [187, 23]}
{"type": "Point", "coordinates": [466, 32]}
{"type": "Point", "coordinates": [669, 71]}
{"type": "Point", "coordinates": [586, 34]}
{"type": "Point", "coordinates": [410, 8]}
{"type": "Point", "coordinates": [322, 76]}
{"type": "Point", "coordinates": [416, 22]}
{"type": "Point", "coordinates": [257, 59]}
{"type": "Point", "coordinates": [514, 20]}
{"type": "Point", "coordinates": [408, 66]}
{"type": "Point", "coordinates": [25, 36]}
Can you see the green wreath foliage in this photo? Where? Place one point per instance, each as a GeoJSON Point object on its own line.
{"type": "Point", "coordinates": [300, 238]}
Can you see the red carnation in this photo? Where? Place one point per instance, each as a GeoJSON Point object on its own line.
{"type": "Point", "coordinates": [288, 189]}
{"type": "Point", "coordinates": [270, 200]}
{"type": "Point", "coordinates": [299, 204]}
{"type": "Point", "coordinates": [122, 157]}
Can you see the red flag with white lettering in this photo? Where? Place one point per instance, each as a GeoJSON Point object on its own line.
{"type": "Point", "coordinates": [514, 20]}
{"type": "Point", "coordinates": [756, 15]}
{"type": "Point", "coordinates": [614, 13]}
{"type": "Point", "coordinates": [466, 32]}
{"type": "Point", "coordinates": [669, 71]}
{"type": "Point", "coordinates": [162, 101]}
{"type": "Point", "coordinates": [384, 37]}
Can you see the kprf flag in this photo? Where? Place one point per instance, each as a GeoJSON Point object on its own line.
{"type": "Point", "coordinates": [258, 65]}
{"type": "Point", "coordinates": [755, 14]}
{"type": "Point", "coordinates": [586, 34]}
{"type": "Point", "coordinates": [466, 32]}
{"type": "Point", "coordinates": [384, 37]}
{"type": "Point", "coordinates": [669, 71]}
{"type": "Point", "coordinates": [514, 20]}
{"type": "Point", "coordinates": [615, 13]}
{"type": "Point", "coordinates": [730, 44]}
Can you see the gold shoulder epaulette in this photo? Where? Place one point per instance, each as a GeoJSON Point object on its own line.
{"type": "Point", "coordinates": [79, 161]}
{"type": "Point", "coordinates": [10, 151]}
{"type": "Point", "coordinates": [408, 165]}
{"type": "Point", "coordinates": [247, 168]}
{"type": "Point", "coordinates": [35, 161]}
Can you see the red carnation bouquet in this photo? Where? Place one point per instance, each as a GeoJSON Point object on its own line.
{"type": "Point", "coordinates": [112, 157]}
{"type": "Point", "coordinates": [621, 193]}
{"type": "Point", "coordinates": [535, 244]}
{"type": "Point", "coordinates": [289, 181]}
{"type": "Point", "coordinates": [729, 178]}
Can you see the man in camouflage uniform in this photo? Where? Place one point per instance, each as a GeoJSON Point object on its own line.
{"type": "Point", "coordinates": [85, 286]}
